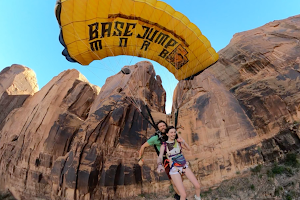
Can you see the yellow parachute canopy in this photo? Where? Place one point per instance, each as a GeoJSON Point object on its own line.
{"type": "Point", "coordinates": [95, 29]}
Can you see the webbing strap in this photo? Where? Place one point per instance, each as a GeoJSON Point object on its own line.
{"type": "Point", "coordinates": [176, 118]}
{"type": "Point", "coordinates": [149, 113]}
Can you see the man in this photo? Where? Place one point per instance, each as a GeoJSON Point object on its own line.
{"type": "Point", "coordinates": [156, 141]}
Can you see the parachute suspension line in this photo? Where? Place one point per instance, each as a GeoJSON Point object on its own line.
{"type": "Point", "coordinates": [186, 83]}
{"type": "Point", "coordinates": [149, 112]}
{"type": "Point", "coordinates": [152, 120]}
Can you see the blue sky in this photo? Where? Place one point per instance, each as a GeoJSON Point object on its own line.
{"type": "Point", "coordinates": [29, 34]}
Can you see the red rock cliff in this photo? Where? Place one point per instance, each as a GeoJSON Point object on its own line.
{"type": "Point", "coordinates": [68, 141]}
{"type": "Point", "coordinates": [245, 107]}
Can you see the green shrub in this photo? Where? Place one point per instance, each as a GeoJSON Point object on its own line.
{"type": "Point", "coordinates": [270, 174]}
{"type": "Point", "coordinates": [256, 169]}
{"type": "Point", "coordinates": [289, 197]}
{"type": "Point", "coordinates": [276, 169]}
{"type": "Point", "coordinates": [291, 160]}
{"type": "Point", "coordinates": [278, 190]}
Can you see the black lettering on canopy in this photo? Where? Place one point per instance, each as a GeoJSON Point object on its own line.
{"type": "Point", "coordinates": [145, 33]}
{"type": "Point", "coordinates": [127, 31]}
{"type": "Point", "coordinates": [163, 37]}
{"type": "Point", "coordinates": [153, 35]}
{"type": "Point", "coordinates": [96, 45]}
{"type": "Point", "coordinates": [106, 29]}
{"type": "Point", "coordinates": [146, 45]}
{"type": "Point", "coordinates": [164, 53]}
{"type": "Point", "coordinates": [117, 31]}
{"type": "Point", "coordinates": [171, 43]}
{"type": "Point", "coordinates": [93, 30]}
{"type": "Point", "coordinates": [125, 42]}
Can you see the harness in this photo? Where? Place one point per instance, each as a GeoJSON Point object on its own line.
{"type": "Point", "coordinates": [175, 157]}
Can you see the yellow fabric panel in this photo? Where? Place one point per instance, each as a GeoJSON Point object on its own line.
{"type": "Point", "coordinates": [161, 5]}
{"type": "Point", "coordinates": [79, 10]}
{"type": "Point", "coordinates": [144, 28]}
{"type": "Point", "coordinates": [157, 15]}
{"type": "Point", "coordinates": [115, 6]}
{"type": "Point", "coordinates": [72, 47]}
{"type": "Point", "coordinates": [69, 34]}
{"type": "Point", "coordinates": [169, 10]}
{"type": "Point", "coordinates": [137, 10]}
{"type": "Point", "coordinates": [103, 8]}
{"type": "Point", "coordinates": [185, 20]}
{"type": "Point", "coordinates": [92, 10]}
{"type": "Point", "coordinates": [79, 30]}
{"type": "Point", "coordinates": [151, 2]}
{"type": "Point", "coordinates": [67, 8]}
{"type": "Point", "coordinates": [127, 7]}
{"type": "Point", "coordinates": [86, 56]}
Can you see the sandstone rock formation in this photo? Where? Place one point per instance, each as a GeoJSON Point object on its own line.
{"type": "Point", "coordinates": [246, 106]}
{"type": "Point", "coordinates": [102, 160]}
{"type": "Point", "coordinates": [40, 131]}
{"type": "Point", "coordinates": [68, 141]}
{"type": "Point", "coordinates": [16, 84]}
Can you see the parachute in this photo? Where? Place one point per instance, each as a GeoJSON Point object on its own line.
{"type": "Point", "coordinates": [96, 29]}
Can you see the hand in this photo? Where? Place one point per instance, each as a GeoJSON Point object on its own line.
{"type": "Point", "coordinates": [181, 140]}
{"type": "Point", "coordinates": [141, 162]}
{"type": "Point", "coordinates": [160, 169]}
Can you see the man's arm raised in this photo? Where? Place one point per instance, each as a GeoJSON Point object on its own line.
{"type": "Point", "coordinates": [141, 153]}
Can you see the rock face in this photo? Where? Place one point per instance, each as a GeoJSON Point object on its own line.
{"type": "Point", "coordinates": [40, 131]}
{"type": "Point", "coordinates": [102, 160]}
{"type": "Point", "coordinates": [70, 141]}
{"type": "Point", "coordinates": [246, 106]}
{"type": "Point", "coordinates": [16, 84]}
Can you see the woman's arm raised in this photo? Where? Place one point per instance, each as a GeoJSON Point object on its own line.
{"type": "Point", "coordinates": [160, 167]}
{"type": "Point", "coordinates": [184, 145]}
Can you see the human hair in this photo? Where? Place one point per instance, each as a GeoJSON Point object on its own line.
{"type": "Point", "coordinates": [161, 121]}
{"type": "Point", "coordinates": [172, 127]}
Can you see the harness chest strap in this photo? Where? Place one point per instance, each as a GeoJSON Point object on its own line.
{"type": "Point", "coordinates": [169, 157]}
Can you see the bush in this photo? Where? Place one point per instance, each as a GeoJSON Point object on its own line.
{"type": "Point", "coordinates": [256, 169]}
{"type": "Point", "coordinates": [278, 169]}
{"type": "Point", "coordinates": [291, 160]}
{"type": "Point", "coordinates": [278, 190]}
{"type": "Point", "coordinates": [270, 174]}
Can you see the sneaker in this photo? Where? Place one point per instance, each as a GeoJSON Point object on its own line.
{"type": "Point", "coordinates": [176, 196]}
{"type": "Point", "coordinates": [197, 198]}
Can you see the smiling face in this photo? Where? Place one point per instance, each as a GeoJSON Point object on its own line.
{"type": "Point", "coordinates": [162, 127]}
{"type": "Point", "coordinates": [172, 134]}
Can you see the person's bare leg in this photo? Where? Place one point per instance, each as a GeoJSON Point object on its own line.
{"type": "Point", "coordinates": [190, 175]}
{"type": "Point", "coordinates": [177, 180]}
{"type": "Point", "coordinates": [174, 187]}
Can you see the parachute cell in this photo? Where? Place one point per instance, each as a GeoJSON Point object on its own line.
{"type": "Point", "coordinates": [96, 29]}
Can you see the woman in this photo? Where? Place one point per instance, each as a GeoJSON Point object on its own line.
{"type": "Point", "coordinates": [178, 165]}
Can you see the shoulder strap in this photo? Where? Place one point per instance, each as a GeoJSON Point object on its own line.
{"type": "Point", "coordinates": [157, 152]}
